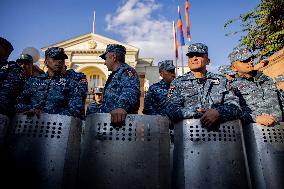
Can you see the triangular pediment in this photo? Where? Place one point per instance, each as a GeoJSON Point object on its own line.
{"type": "Point", "coordinates": [89, 42]}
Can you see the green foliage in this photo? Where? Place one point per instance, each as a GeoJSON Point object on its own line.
{"type": "Point", "coordinates": [262, 28]}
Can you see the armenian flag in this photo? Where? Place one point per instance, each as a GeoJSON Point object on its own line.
{"type": "Point", "coordinates": [179, 25]}
{"type": "Point", "coordinates": [187, 6]}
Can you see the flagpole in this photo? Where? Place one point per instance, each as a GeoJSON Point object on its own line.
{"type": "Point", "coordinates": [181, 59]}
{"type": "Point", "coordinates": [94, 22]}
{"type": "Point", "coordinates": [175, 50]}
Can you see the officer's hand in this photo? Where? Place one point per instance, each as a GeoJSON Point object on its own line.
{"type": "Point", "coordinates": [118, 115]}
{"type": "Point", "coordinates": [265, 119]}
{"type": "Point", "coordinates": [210, 117]}
{"type": "Point", "coordinates": [280, 85]}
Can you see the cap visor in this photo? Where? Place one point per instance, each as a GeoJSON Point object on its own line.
{"type": "Point", "coordinates": [103, 56]}
{"type": "Point", "coordinates": [23, 61]}
{"type": "Point", "coordinates": [60, 57]}
{"type": "Point", "coordinates": [195, 52]}
{"type": "Point", "coordinates": [171, 70]}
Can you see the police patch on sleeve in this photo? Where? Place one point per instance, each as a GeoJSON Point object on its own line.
{"type": "Point", "coordinates": [171, 90]}
{"type": "Point", "coordinates": [130, 72]}
{"type": "Point", "coordinates": [84, 80]}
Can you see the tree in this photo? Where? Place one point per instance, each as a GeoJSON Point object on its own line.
{"type": "Point", "coordinates": [262, 28]}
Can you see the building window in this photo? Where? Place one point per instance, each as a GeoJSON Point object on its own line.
{"type": "Point", "coordinates": [94, 81]}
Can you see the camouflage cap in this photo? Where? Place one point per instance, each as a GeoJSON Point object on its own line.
{"type": "Point", "coordinates": [240, 54]}
{"type": "Point", "coordinates": [116, 48]}
{"type": "Point", "coordinates": [6, 44]}
{"type": "Point", "coordinates": [25, 58]}
{"type": "Point", "coordinates": [226, 69]}
{"type": "Point", "coordinates": [279, 78]}
{"type": "Point", "coordinates": [55, 52]}
{"type": "Point", "coordinates": [197, 48]}
{"type": "Point", "coordinates": [166, 65]}
{"type": "Point", "coordinates": [98, 90]}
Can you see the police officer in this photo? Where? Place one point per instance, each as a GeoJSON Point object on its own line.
{"type": "Point", "coordinates": [227, 72]}
{"type": "Point", "coordinates": [51, 92]}
{"type": "Point", "coordinates": [201, 94]}
{"type": "Point", "coordinates": [12, 79]}
{"type": "Point", "coordinates": [122, 88]}
{"type": "Point", "coordinates": [257, 93]}
{"type": "Point", "coordinates": [98, 99]}
{"type": "Point", "coordinates": [155, 99]}
{"type": "Point", "coordinates": [26, 62]}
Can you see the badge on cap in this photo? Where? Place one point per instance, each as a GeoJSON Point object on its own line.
{"type": "Point", "coordinates": [215, 81]}
{"type": "Point", "coordinates": [5, 67]}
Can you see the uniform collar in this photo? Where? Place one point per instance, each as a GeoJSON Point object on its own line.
{"type": "Point", "coordinates": [45, 75]}
{"type": "Point", "coordinates": [189, 76]}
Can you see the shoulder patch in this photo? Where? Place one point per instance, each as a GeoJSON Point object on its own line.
{"type": "Point", "coordinates": [172, 88]}
{"type": "Point", "coordinates": [130, 72]}
{"type": "Point", "coordinates": [84, 80]}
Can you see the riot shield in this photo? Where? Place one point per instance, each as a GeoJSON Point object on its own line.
{"type": "Point", "coordinates": [43, 152]}
{"type": "Point", "coordinates": [265, 150]}
{"type": "Point", "coordinates": [209, 158]}
{"type": "Point", "coordinates": [4, 123]}
{"type": "Point", "coordinates": [134, 156]}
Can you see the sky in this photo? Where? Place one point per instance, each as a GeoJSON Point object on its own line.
{"type": "Point", "coordinates": [146, 24]}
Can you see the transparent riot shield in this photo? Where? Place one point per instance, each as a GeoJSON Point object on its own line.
{"type": "Point", "coordinates": [209, 158]}
{"type": "Point", "coordinates": [43, 152]}
{"type": "Point", "coordinates": [133, 156]}
{"type": "Point", "coordinates": [4, 123]}
{"type": "Point", "coordinates": [265, 150]}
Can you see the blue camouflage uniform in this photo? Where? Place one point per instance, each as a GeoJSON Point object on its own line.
{"type": "Point", "coordinates": [12, 79]}
{"type": "Point", "coordinates": [81, 79]}
{"type": "Point", "coordinates": [122, 88]}
{"type": "Point", "coordinates": [258, 95]}
{"type": "Point", "coordinates": [54, 96]}
{"type": "Point", "coordinates": [188, 93]}
{"type": "Point", "coordinates": [57, 95]}
{"type": "Point", "coordinates": [156, 97]}
{"type": "Point", "coordinates": [93, 108]}
{"type": "Point", "coordinates": [82, 82]}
